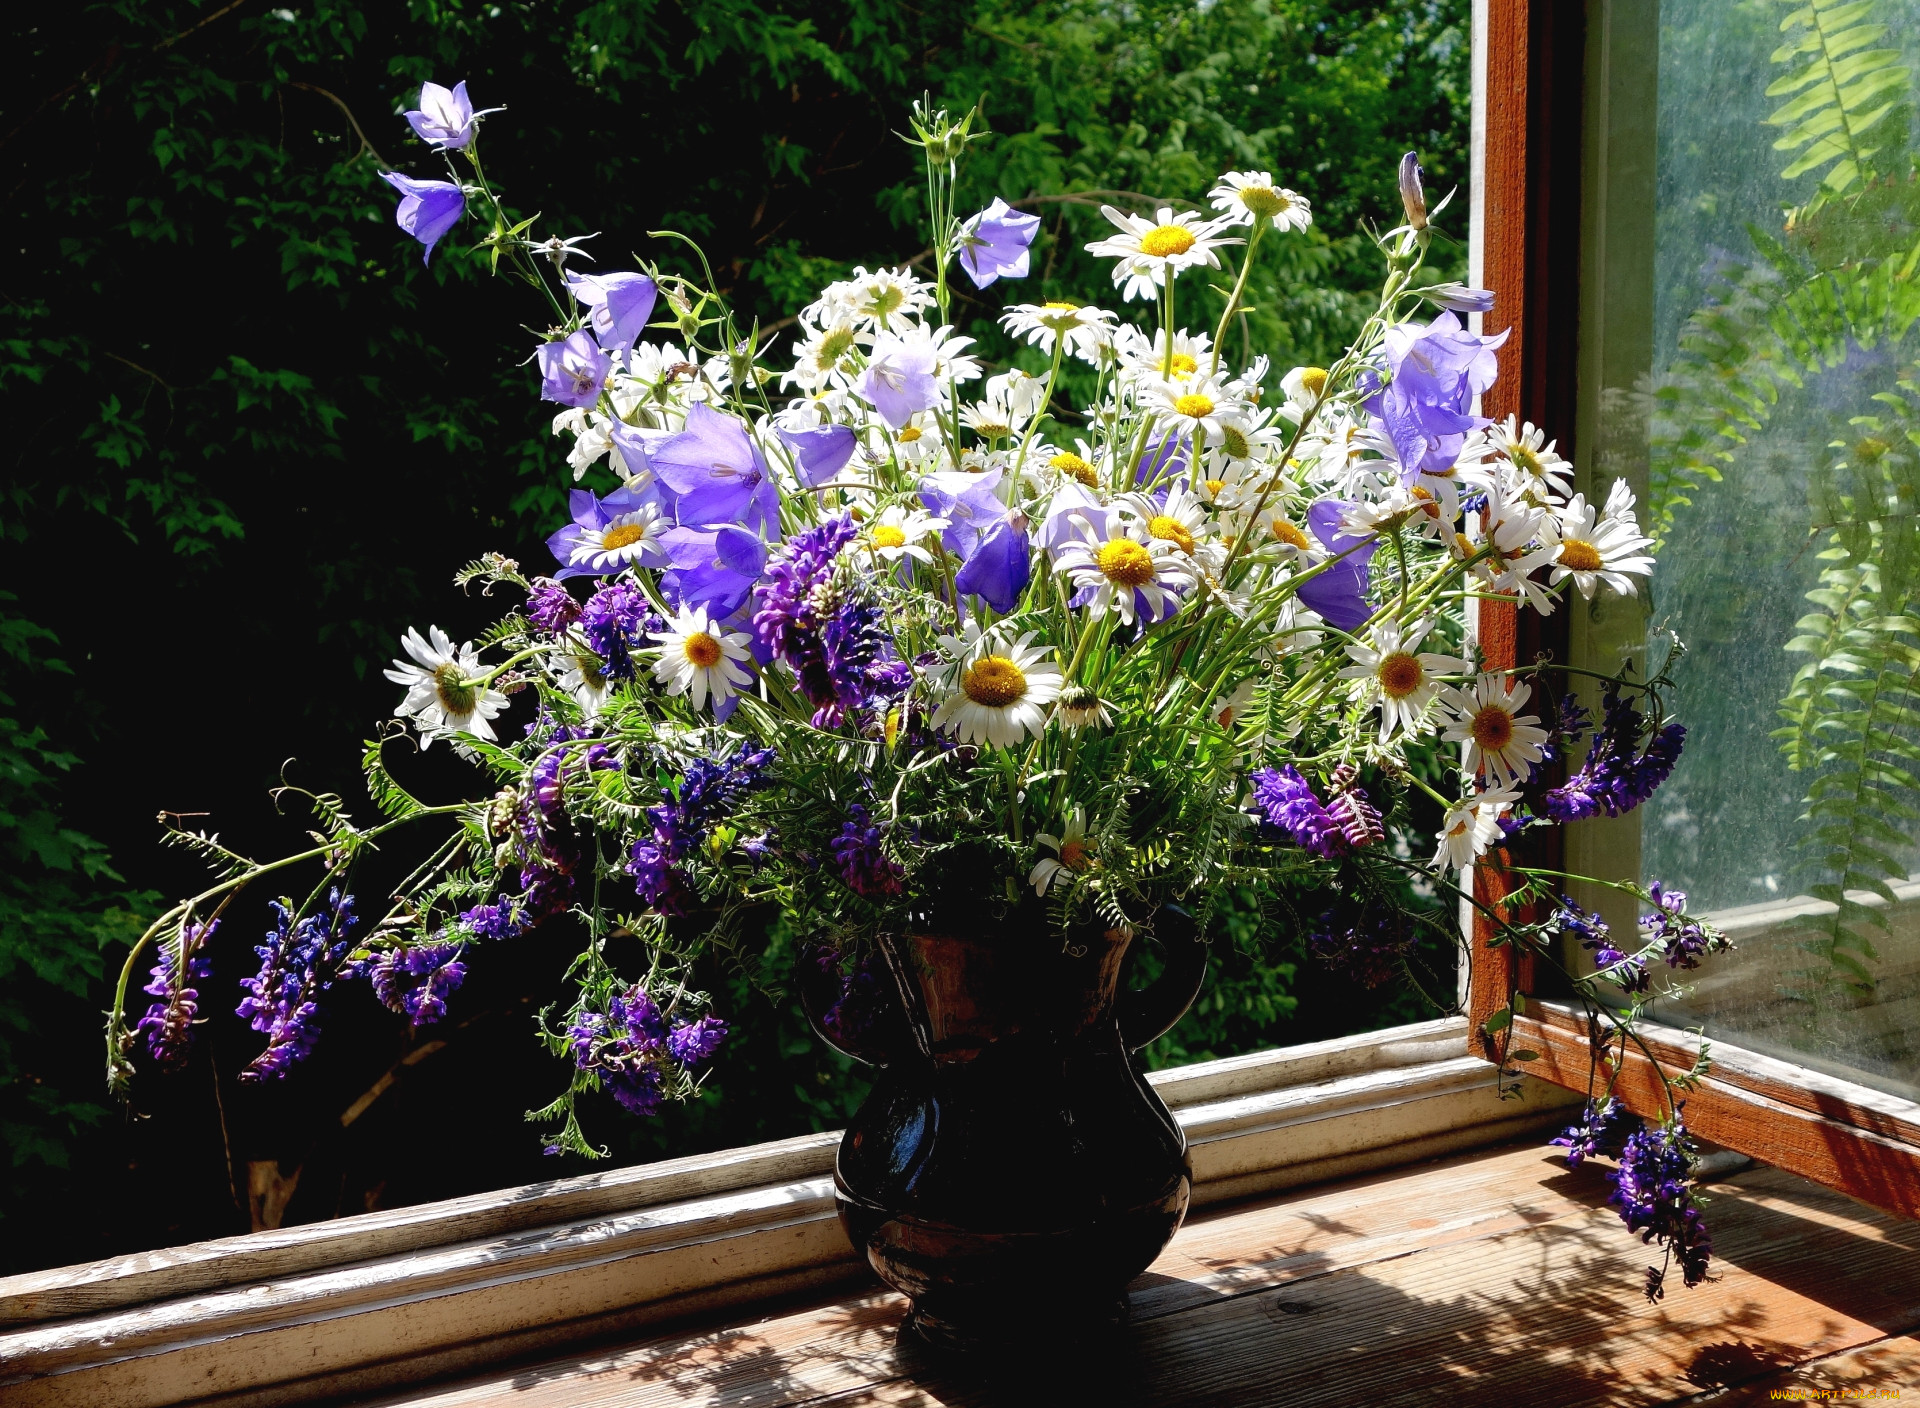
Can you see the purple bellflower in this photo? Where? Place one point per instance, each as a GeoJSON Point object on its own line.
{"type": "Point", "coordinates": [994, 243]}
{"type": "Point", "coordinates": [820, 453]}
{"type": "Point", "coordinates": [1070, 501]}
{"type": "Point", "coordinates": [427, 210]}
{"type": "Point", "coordinates": [445, 120]}
{"type": "Point", "coordinates": [620, 306]}
{"type": "Point", "coordinates": [999, 567]}
{"type": "Point", "coordinates": [1435, 370]}
{"type": "Point", "coordinates": [1458, 298]}
{"type": "Point", "coordinates": [899, 380]}
{"type": "Point", "coordinates": [1162, 461]}
{"type": "Point", "coordinates": [621, 540]}
{"type": "Point", "coordinates": [1413, 190]}
{"type": "Point", "coordinates": [719, 475]}
{"type": "Point", "coordinates": [298, 962]}
{"type": "Point", "coordinates": [715, 568]}
{"type": "Point", "coordinates": [1339, 593]}
{"type": "Point", "coordinates": [168, 1023]}
{"type": "Point", "coordinates": [969, 503]}
{"type": "Point", "coordinates": [573, 370]}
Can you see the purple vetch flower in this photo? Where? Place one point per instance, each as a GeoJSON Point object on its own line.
{"type": "Point", "coordinates": [1603, 1129]}
{"type": "Point", "coordinates": [1368, 943]}
{"type": "Point", "coordinates": [821, 452]}
{"type": "Point", "coordinates": [994, 243]}
{"type": "Point", "coordinates": [1625, 971]}
{"type": "Point", "coordinates": [298, 962]}
{"type": "Point", "coordinates": [899, 380]}
{"type": "Point", "coordinates": [834, 639]}
{"type": "Point", "coordinates": [718, 474]}
{"type": "Point", "coordinates": [1683, 941]}
{"type": "Point", "coordinates": [1652, 1192]}
{"type": "Point", "coordinates": [998, 569]}
{"type": "Point", "coordinates": [864, 865]}
{"type": "Point", "coordinates": [709, 791]}
{"type": "Point", "coordinates": [1286, 800]}
{"type": "Point", "coordinates": [501, 920]}
{"type": "Point", "coordinates": [168, 1023]}
{"type": "Point", "coordinates": [428, 209]}
{"type": "Point", "coordinates": [1339, 593]}
{"type": "Point", "coordinates": [1618, 774]}
{"type": "Point", "coordinates": [693, 1042]}
{"type": "Point", "coordinates": [1359, 820]}
{"type": "Point", "coordinates": [617, 620]}
{"type": "Point", "coordinates": [445, 120]}
{"type": "Point", "coordinates": [573, 370]}
{"type": "Point", "coordinates": [1434, 372]}
{"type": "Point", "coordinates": [415, 980]}
{"type": "Point", "coordinates": [624, 1046]}
{"type": "Point", "coordinates": [550, 607]}
{"type": "Point", "coordinates": [620, 306]}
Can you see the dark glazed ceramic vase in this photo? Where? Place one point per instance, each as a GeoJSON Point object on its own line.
{"type": "Point", "coordinates": [1011, 1170]}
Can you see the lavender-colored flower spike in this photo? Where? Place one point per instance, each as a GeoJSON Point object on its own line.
{"type": "Point", "coordinates": [445, 120]}
{"type": "Point", "coordinates": [1286, 801]}
{"type": "Point", "coordinates": [621, 304]}
{"type": "Point", "coordinates": [1413, 190]}
{"type": "Point", "coordinates": [168, 1024]}
{"type": "Point", "coordinates": [428, 209]}
{"type": "Point", "coordinates": [298, 963]}
{"type": "Point", "coordinates": [693, 1042]}
{"type": "Point", "coordinates": [573, 370]}
{"type": "Point", "coordinates": [994, 243]}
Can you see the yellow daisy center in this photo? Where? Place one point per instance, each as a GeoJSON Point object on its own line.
{"type": "Point", "coordinates": [1524, 458]}
{"type": "Point", "coordinates": [1166, 241]}
{"type": "Point", "coordinates": [885, 535]}
{"type": "Point", "coordinates": [1125, 563]}
{"type": "Point", "coordinates": [1183, 365]}
{"type": "Point", "coordinates": [1060, 305]}
{"type": "Point", "coordinates": [908, 434]}
{"type": "Point", "coordinates": [1214, 486]}
{"type": "Point", "coordinates": [1073, 855]}
{"type": "Point", "coordinates": [835, 344]}
{"type": "Point", "coordinates": [702, 649]}
{"type": "Point", "coordinates": [887, 298]}
{"type": "Point", "coordinates": [1492, 728]}
{"type": "Point", "coordinates": [995, 681]}
{"type": "Point", "coordinates": [454, 690]}
{"type": "Point", "coordinates": [1194, 404]}
{"type": "Point", "coordinates": [1166, 526]}
{"type": "Point", "coordinates": [1263, 201]}
{"type": "Point", "coordinates": [1313, 380]}
{"type": "Point", "coordinates": [1579, 554]}
{"type": "Point", "coordinates": [1289, 533]}
{"type": "Point", "coordinates": [1074, 467]}
{"type": "Point", "coordinates": [622, 535]}
{"type": "Point", "coordinates": [1400, 675]}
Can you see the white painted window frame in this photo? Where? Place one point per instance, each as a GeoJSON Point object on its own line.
{"type": "Point", "coordinates": [371, 1302]}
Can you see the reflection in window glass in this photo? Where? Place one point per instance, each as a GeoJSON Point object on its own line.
{"type": "Point", "coordinates": [1783, 436]}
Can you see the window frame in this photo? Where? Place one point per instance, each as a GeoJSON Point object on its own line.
{"type": "Point", "coordinates": [1548, 103]}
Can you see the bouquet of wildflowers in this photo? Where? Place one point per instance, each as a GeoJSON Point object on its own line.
{"type": "Point", "coordinates": [851, 626]}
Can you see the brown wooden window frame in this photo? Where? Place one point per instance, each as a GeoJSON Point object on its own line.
{"type": "Point", "coordinates": [1848, 1137]}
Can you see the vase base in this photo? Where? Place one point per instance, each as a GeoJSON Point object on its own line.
{"type": "Point", "coordinates": [964, 1333]}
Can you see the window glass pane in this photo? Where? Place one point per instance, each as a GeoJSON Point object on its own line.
{"type": "Point", "coordinates": [1782, 432]}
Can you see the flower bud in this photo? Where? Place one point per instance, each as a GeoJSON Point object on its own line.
{"type": "Point", "coordinates": [1413, 191]}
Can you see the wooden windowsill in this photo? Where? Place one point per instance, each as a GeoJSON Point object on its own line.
{"type": "Point", "coordinates": [367, 1303]}
{"type": "Point", "coordinates": [1496, 1277]}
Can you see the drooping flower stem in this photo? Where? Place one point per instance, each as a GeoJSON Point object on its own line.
{"type": "Point", "coordinates": [1233, 301]}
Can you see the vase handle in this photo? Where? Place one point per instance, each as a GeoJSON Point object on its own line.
{"type": "Point", "coordinates": [1151, 1013]}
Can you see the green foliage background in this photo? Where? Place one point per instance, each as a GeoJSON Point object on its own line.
{"type": "Point", "coordinates": [250, 437]}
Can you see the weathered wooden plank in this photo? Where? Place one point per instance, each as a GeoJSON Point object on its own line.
{"type": "Point", "coordinates": [1495, 1275]}
{"type": "Point", "coordinates": [1873, 1372]}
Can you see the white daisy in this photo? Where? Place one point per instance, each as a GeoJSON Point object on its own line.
{"type": "Point", "coordinates": [698, 658]}
{"type": "Point", "coordinates": [1071, 853]}
{"type": "Point", "coordinates": [1079, 707]}
{"type": "Point", "coordinates": [1517, 537]}
{"type": "Point", "coordinates": [1295, 632]}
{"type": "Point", "coordinates": [1255, 437]}
{"type": "Point", "coordinates": [884, 299]}
{"type": "Point", "coordinates": [1248, 197]}
{"type": "Point", "coordinates": [1598, 547]}
{"type": "Point", "coordinates": [1394, 670]}
{"type": "Point", "coordinates": [1076, 464]}
{"type": "Point", "coordinates": [581, 675]}
{"type": "Point", "coordinates": [1141, 577]}
{"type": "Point", "coordinates": [630, 539]}
{"type": "Point", "coordinates": [1087, 329]}
{"type": "Point", "coordinates": [1470, 827]}
{"type": "Point", "coordinates": [1522, 454]}
{"type": "Point", "coordinates": [999, 691]}
{"type": "Point", "coordinates": [1503, 744]}
{"type": "Point", "coordinates": [825, 356]}
{"type": "Point", "coordinates": [920, 441]}
{"type": "Point", "coordinates": [1151, 251]}
{"type": "Point", "coordinates": [1235, 703]}
{"type": "Point", "coordinates": [444, 689]}
{"type": "Point", "coordinates": [1198, 407]}
{"type": "Point", "coordinates": [1146, 358]}
{"type": "Point", "coordinates": [900, 532]}
{"type": "Point", "coordinates": [1181, 520]}
{"type": "Point", "coordinates": [1304, 388]}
